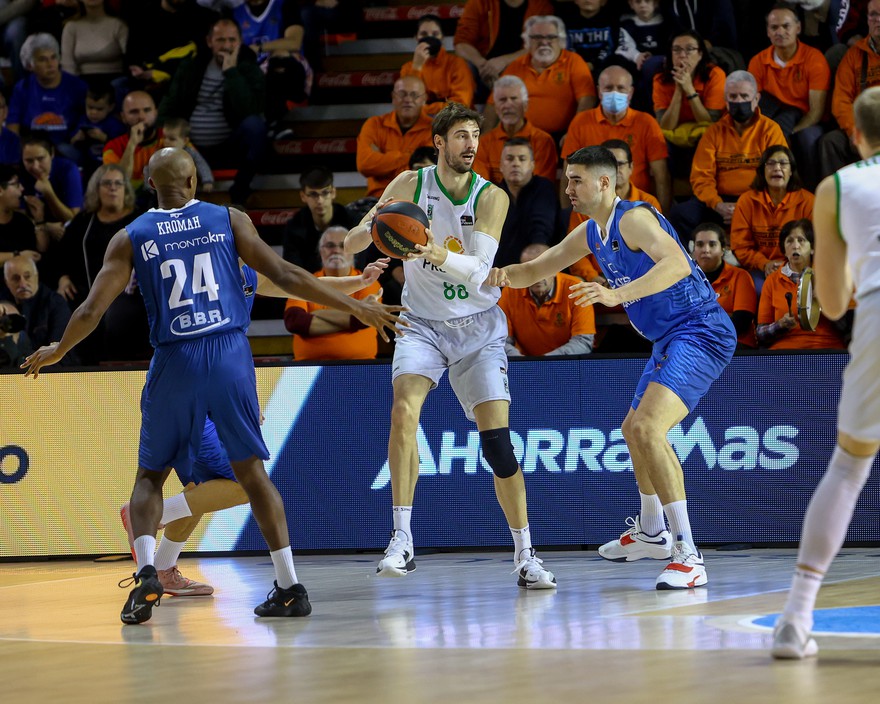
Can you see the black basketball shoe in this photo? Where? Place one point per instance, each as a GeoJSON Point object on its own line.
{"type": "Point", "coordinates": [285, 602]}
{"type": "Point", "coordinates": [146, 594]}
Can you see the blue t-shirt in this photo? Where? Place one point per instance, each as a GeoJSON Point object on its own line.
{"type": "Point", "coordinates": [188, 272]}
{"type": "Point", "coordinates": [10, 147]}
{"type": "Point", "coordinates": [110, 125]}
{"type": "Point", "coordinates": [55, 111]}
{"type": "Point", "coordinates": [65, 179]}
{"type": "Point", "coordinates": [656, 315]}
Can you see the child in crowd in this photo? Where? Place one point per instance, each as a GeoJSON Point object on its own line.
{"type": "Point", "coordinates": [642, 42]}
{"type": "Point", "coordinates": [97, 126]}
{"type": "Point", "coordinates": [176, 134]}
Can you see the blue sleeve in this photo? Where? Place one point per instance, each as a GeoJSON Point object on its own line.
{"type": "Point", "coordinates": [16, 104]}
{"type": "Point", "coordinates": [71, 184]}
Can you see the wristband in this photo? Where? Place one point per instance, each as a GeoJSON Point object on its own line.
{"type": "Point", "coordinates": [692, 96]}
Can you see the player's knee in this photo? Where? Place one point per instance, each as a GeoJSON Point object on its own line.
{"type": "Point", "coordinates": [498, 451]}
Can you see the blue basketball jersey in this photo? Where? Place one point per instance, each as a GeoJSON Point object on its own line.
{"type": "Point", "coordinates": [653, 316]}
{"type": "Point", "coordinates": [188, 272]}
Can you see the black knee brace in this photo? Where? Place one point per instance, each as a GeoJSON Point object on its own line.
{"type": "Point", "coordinates": [498, 451]}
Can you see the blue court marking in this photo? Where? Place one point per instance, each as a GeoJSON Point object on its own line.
{"type": "Point", "coordinates": [850, 621]}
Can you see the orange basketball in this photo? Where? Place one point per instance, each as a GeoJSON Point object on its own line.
{"type": "Point", "coordinates": [397, 227]}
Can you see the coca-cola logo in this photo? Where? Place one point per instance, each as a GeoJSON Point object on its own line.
{"type": "Point", "coordinates": [335, 80]}
{"type": "Point", "coordinates": [275, 217]}
{"type": "Point", "coordinates": [386, 78]}
{"type": "Point", "coordinates": [332, 146]}
{"type": "Point", "coordinates": [288, 146]}
{"type": "Point", "coordinates": [380, 14]}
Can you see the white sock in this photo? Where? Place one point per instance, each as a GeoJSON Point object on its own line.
{"type": "Point", "coordinates": [402, 516]}
{"type": "Point", "coordinates": [285, 574]}
{"type": "Point", "coordinates": [174, 508]}
{"type": "Point", "coordinates": [651, 514]}
{"type": "Point", "coordinates": [825, 524]}
{"type": "Point", "coordinates": [167, 554]}
{"type": "Point", "coordinates": [679, 523]}
{"type": "Point", "coordinates": [144, 547]}
{"type": "Point", "coordinates": [522, 540]}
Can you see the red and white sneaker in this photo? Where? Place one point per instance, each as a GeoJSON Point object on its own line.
{"type": "Point", "coordinates": [126, 521]}
{"type": "Point", "coordinates": [685, 570]}
{"type": "Point", "coordinates": [634, 545]}
{"type": "Point", "coordinates": [175, 584]}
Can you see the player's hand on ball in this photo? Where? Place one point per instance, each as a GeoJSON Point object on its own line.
{"type": "Point", "coordinates": [43, 357]}
{"type": "Point", "coordinates": [429, 250]}
{"type": "Point", "coordinates": [588, 293]}
{"type": "Point", "coordinates": [497, 277]}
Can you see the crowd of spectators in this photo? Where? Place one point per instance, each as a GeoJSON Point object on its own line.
{"type": "Point", "coordinates": [724, 129]}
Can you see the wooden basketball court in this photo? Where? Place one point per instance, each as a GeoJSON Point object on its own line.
{"type": "Point", "coordinates": [456, 630]}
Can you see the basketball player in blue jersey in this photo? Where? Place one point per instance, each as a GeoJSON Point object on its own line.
{"type": "Point", "coordinates": [210, 483]}
{"type": "Point", "coordinates": [846, 217]}
{"type": "Point", "coordinates": [670, 302]}
{"type": "Point", "coordinates": [186, 257]}
{"type": "Point", "coordinates": [454, 323]}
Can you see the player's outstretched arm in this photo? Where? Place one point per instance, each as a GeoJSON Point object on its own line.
{"type": "Point", "coordinates": [833, 283]}
{"type": "Point", "coordinates": [551, 262]}
{"type": "Point", "coordinates": [296, 282]}
{"type": "Point", "coordinates": [343, 284]}
{"type": "Point", "coordinates": [109, 283]}
{"type": "Point", "coordinates": [403, 187]}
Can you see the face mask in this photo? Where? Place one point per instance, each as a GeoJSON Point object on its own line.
{"type": "Point", "coordinates": [741, 111]}
{"type": "Point", "coordinates": [433, 43]}
{"type": "Point", "coordinates": [614, 103]}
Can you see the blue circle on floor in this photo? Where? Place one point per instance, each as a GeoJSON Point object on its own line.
{"type": "Point", "coordinates": [853, 620]}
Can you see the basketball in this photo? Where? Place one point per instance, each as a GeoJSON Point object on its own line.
{"type": "Point", "coordinates": [397, 227]}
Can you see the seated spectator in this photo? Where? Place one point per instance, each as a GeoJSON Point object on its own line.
{"type": "Point", "coordinates": [109, 207]}
{"type": "Point", "coordinates": [859, 69]}
{"type": "Point", "coordinates": [13, 31]}
{"type": "Point", "coordinates": [615, 119]}
{"type": "Point", "coordinates": [644, 35]}
{"type": "Point", "coordinates": [222, 93]}
{"type": "Point", "coordinates": [48, 98]}
{"type": "Point", "coordinates": [558, 81]}
{"type": "Point", "coordinates": [531, 215]}
{"type": "Point", "coordinates": [45, 312]}
{"type": "Point", "coordinates": [386, 141]}
{"type": "Point", "coordinates": [726, 157]}
{"type": "Point", "coordinates": [778, 325]}
{"type": "Point", "coordinates": [52, 185]}
{"type": "Point", "coordinates": [93, 43]}
{"type": "Point", "coordinates": [735, 288]}
{"type": "Point", "coordinates": [447, 77]}
{"type": "Point", "coordinates": [273, 29]}
{"type": "Point", "coordinates": [322, 333]}
{"type": "Point", "coordinates": [10, 142]}
{"type": "Point", "coordinates": [175, 134]}
{"type": "Point", "coordinates": [132, 151]}
{"type": "Point", "coordinates": [592, 29]}
{"type": "Point", "coordinates": [487, 35]}
{"type": "Point", "coordinates": [625, 188]}
{"type": "Point", "coordinates": [15, 345]}
{"type": "Point", "coordinates": [688, 92]}
{"type": "Point", "coordinates": [511, 98]}
{"type": "Point", "coordinates": [96, 127]}
{"type": "Point", "coordinates": [321, 211]}
{"type": "Point", "coordinates": [542, 320]}
{"type": "Point", "coordinates": [775, 197]}
{"type": "Point", "coordinates": [794, 80]}
{"type": "Point", "coordinates": [17, 234]}
{"type": "Point", "coordinates": [714, 21]}
{"type": "Point", "coordinates": [422, 157]}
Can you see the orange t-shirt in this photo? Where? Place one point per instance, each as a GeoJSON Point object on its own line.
{"type": "Point", "coordinates": [447, 78]}
{"type": "Point", "coordinates": [725, 160]}
{"type": "Point", "coordinates": [395, 147]}
{"type": "Point", "coordinates": [711, 94]}
{"type": "Point", "coordinates": [541, 329]}
{"type": "Point", "coordinates": [115, 148]}
{"type": "Point", "coordinates": [773, 305]}
{"type": "Point", "coordinates": [488, 160]}
{"type": "Point", "coordinates": [554, 92]}
{"type": "Point", "coordinates": [349, 344]}
{"type": "Point", "coordinates": [848, 79]}
{"type": "Point", "coordinates": [480, 24]}
{"type": "Point", "coordinates": [736, 291]}
{"type": "Point", "coordinates": [791, 84]}
{"type": "Point", "coordinates": [754, 230]}
{"type": "Point", "coordinates": [638, 129]}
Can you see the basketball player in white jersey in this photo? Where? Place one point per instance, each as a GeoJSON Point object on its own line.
{"type": "Point", "coordinates": [455, 324]}
{"type": "Point", "coordinates": [846, 217]}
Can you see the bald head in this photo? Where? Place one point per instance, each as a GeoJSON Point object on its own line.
{"type": "Point", "coordinates": [173, 175]}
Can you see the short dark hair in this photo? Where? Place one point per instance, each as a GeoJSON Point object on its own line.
{"type": "Point", "coordinates": [7, 173]}
{"type": "Point", "coordinates": [618, 144]}
{"type": "Point", "coordinates": [178, 123]}
{"type": "Point", "coordinates": [519, 142]}
{"type": "Point", "coordinates": [316, 177]}
{"type": "Point", "coordinates": [37, 139]}
{"type": "Point", "coordinates": [429, 18]}
{"type": "Point", "coordinates": [595, 157]}
{"type": "Point", "coordinates": [422, 153]}
{"type": "Point", "coordinates": [760, 181]}
{"type": "Point", "coordinates": [452, 114]}
{"type": "Point", "coordinates": [101, 91]}
{"type": "Point", "coordinates": [712, 227]}
{"type": "Point", "coordinates": [803, 224]}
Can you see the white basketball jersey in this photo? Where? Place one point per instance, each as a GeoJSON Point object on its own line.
{"type": "Point", "coordinates": [428, 291]}
{"type": "Point", "coordinates": [858, 188]}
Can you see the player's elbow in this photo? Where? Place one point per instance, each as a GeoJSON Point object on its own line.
{"type": "Point", "coordinates": [833, 308]}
